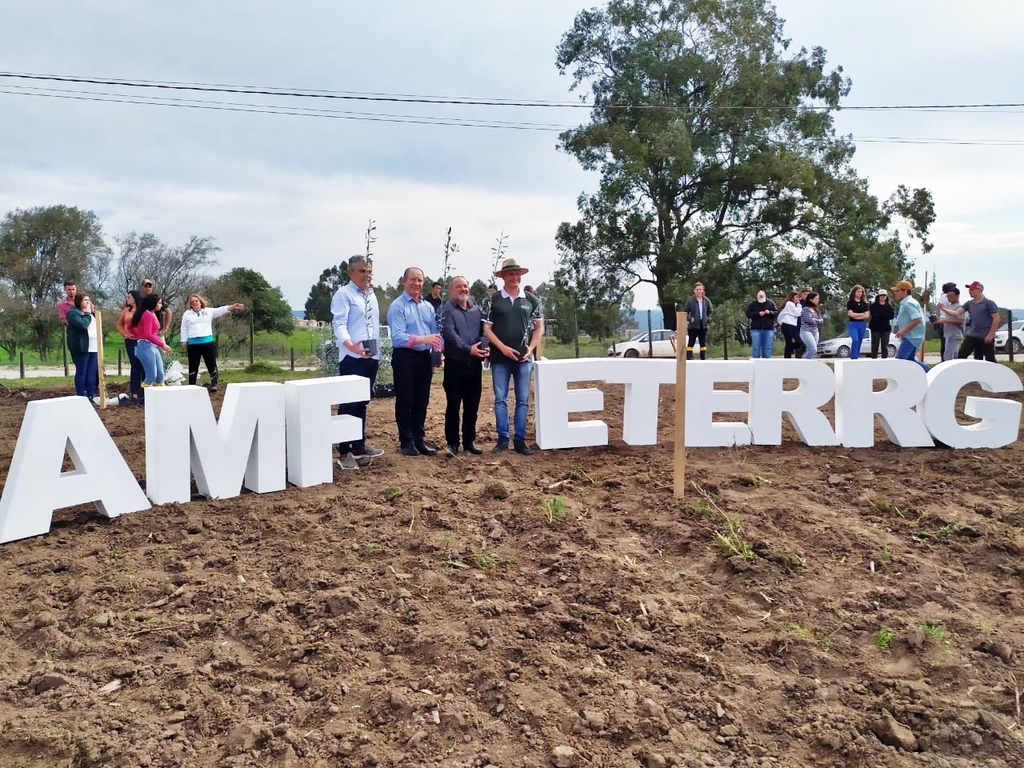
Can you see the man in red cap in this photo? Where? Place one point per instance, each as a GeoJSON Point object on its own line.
{"type": "Point", "coordinates": [984, 314]}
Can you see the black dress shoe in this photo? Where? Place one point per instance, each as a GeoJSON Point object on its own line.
{"type": "Point", "coordinates": [410, 450]}
{"type": "Point", "coordinates": [501, 445]}
{"type": "Point", "coordinates": [425, 449]}
{"type": "Point", "coordinates": [473, 448]}
{"type": "Point", "coordinates": [453, 449]}
{"type": "Point", "coordinates": [523, 448]}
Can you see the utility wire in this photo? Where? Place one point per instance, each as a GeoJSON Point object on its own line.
{"type": "Point", "coordinates": [451, 100]}
{"type": "Point", "coordinates": [467, 122]}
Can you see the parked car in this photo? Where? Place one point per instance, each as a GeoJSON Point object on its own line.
{"type": "Point", "coordinates": [841, 346]}
{"type": "Point", "coordinates": [1002, 336]}
{"type": "Point", "coordinates": [662, 341]}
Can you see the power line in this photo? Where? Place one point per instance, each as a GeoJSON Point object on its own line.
{"type": "Point", "coordinates": [262, 90]}
{"type": "Point", "coordinates": [465, 122]}
{"type": "Point", "coordinates": [300, 93]}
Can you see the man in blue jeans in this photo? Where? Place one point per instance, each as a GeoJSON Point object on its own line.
{"type": "Point", "coordinates": [514, 328]}
{"type": "Point", "coordinates": [909, 323]}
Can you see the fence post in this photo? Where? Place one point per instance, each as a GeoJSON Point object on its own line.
{"type": "Point", "coordinates": [293, 358]}
{"type": "Point", "coordinates": [650, 335]}
{"type": "Point", "coordinates": [119, 361]}
{"type": "Point", "coordinates": [64, 339]}
{"type": "Point", "coordinates": [252, 338]}
{"type": "Point", "coordinates": [21, 366]}
{"type": "Point", "coordinates": [1009, 333]}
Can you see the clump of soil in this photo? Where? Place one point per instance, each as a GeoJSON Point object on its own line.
{"type": "Point", "coordinates": [799, 607]}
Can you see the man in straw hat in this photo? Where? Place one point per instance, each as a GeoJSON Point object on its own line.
{"type": "Point", "coordinates": [514, 327]}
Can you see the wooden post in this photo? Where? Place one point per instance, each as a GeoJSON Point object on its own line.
{"type": "Point", "coordinates": [101, 389]}
{"type": "Point", "coordinates": [252, 338]}
{"type": "Point", "coordinates": [924, 317]}
{"type": "Point", "coordinates": [679, 463]}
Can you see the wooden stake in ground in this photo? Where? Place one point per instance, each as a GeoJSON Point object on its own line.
{"type": "Point", "coordinates": [101, 388]}
{"type": "Point", "coordinates": [679, 463]}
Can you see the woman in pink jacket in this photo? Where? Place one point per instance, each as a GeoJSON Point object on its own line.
{"type": "Point", "coordinates": [146, 327]}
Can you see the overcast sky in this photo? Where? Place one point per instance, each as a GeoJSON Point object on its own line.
{"type": "Point", "coordinates": [289, 195]}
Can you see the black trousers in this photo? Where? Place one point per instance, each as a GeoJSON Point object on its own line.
{"type": "Point", "coordinates": [136, 373]}
{"type": "Point", "coordinates": [791, 333]}
{"type": "Point", "coordinates": [366, 367]}
{"type": "Point", "coordinates": [699, 335]}
{"type": "Point", "coordinates": [880, 340]}
{"type": "Point", "coordinates": [981, 351]}
{"type": "Point", "coordinates": [463, 382]}
{"type": "Point", "coordinates": [413, 372]}
{"type": "Point", "coordinates": [208, 353]}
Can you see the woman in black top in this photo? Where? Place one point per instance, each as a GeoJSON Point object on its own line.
{"type": "Point", "coordinates": [857, 322]}
{"type": "Point", "coordinates": [880, 323]}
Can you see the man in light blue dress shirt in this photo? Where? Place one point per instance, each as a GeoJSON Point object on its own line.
{"type": "Point", "coordinates": [356, 325]}
{"type": "Point", "coordinates": [414, 335]}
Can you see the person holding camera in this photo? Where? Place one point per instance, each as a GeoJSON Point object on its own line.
{"type": "Point", "coordinates": [356, 324]}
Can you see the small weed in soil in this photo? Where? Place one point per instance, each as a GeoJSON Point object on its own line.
{"type": "Point", "coordinates": [884, 638]}
{"type": "Point", "coordinates": [730, 542]}
{"type": "Point", "coordinates": [934, 632]}
{"type": "Point", "coordinates": [483, 560]}
{"type": "Point", "coordinates": [554, 508]}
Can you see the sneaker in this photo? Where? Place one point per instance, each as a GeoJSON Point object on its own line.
{"type": "Point", "coordinates": [501, 445]}
{"type": "Point", "coordinates": [523, 448]}
{"type": "Point", "coordinates": [368, 452]}
{"type": "Point", "coordinates": [347, 462]}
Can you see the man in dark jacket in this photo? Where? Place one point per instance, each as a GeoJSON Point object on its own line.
{"type": "Point", "coordinates": [464, 353]}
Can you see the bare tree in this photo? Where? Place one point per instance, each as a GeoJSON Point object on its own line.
{"type": "Point", "coordinates": [176, 272]}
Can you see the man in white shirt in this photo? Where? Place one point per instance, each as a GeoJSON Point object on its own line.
{"type": "Point", "coordinates": [356, 325]}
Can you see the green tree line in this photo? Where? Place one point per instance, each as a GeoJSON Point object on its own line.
{"type": "Point", "coordinates": [42, 247]}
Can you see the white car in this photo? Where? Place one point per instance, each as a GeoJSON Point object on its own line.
{"type": "Point", "coordinates": [1018, 338]}
{"type": "Point", "coordinates": [841, 346]}
{"type": "Point", "coordinates": [662, 343]}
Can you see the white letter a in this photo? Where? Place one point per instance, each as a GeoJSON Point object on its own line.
{"type": "Point", "coordinates": [36, 486]}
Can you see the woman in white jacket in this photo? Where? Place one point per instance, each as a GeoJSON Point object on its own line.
{"type": "Point", "coordinates": [197, 336]}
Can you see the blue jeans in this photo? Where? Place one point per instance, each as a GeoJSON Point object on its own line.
{"type": "Point", "coordinates": [761, 342]}
{"type": "Point", "coordinates": [500, 375]}
{"type": "Point", "coordinates": [810, 340]}
{"type": "Point", "coordinates": [85, 373]}
{"type": "Point", "coordinates": [908, 351]}
{"type": "Point", "coordinates": [152, 362]}
{"type": "Point", "coordinates": [856, 329]}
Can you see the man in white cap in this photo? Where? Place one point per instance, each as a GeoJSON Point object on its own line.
{"type": "Point", "coordinates": [514, 328]}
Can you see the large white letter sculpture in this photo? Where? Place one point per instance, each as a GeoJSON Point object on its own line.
{"type": "Point", "coordinates": [912, 407]}
{"type": "Point", "coordinates": [999, 418]}
{"type": "Point", "coordinates": [555, 401]}
{"type": "Point", "coordinates": [313, 430]}
{"type": "Point", "coordinates": [770, 400]}
{"type": "Point", "coordinates": [183, 437]}
{"type": "Point", "coordinates": [899, 406]}
{"type": "Point", "coordinates": [36, 486]}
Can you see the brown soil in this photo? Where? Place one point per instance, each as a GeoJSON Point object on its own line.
{"type": "Point", "coordinates": [800, 607]}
